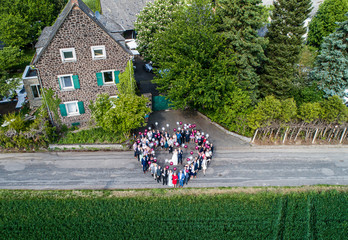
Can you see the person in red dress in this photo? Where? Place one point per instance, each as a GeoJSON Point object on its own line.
{"type": "Point", "coordinates": [175, 179]}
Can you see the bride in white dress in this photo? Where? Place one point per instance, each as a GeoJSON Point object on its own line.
{"type": "Point", "coordinates": [175, 157]}
{"type": "Point", "coordinates": [170, 179]}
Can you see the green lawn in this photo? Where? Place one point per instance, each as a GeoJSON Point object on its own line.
{"type": "Point", "coordinates": [170, 214]}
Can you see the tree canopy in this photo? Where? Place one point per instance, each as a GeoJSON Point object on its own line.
{"type": "Point", "coordinates": [196, 70]}
{"type": "Point", "coordinates": [22, 21]}
{"type": "Point", "coordinates": [285, 37]}
{"type": "Point", "coordinates": [239, 22]}
{"type": "Point", "coordinates": [324, 22]}
{"type": "Point", "coordinates": [330, 71]}
{"type": "Point", "coordinates": [155, 17]}
{"type": "Point", "coordinates": [120, 115]}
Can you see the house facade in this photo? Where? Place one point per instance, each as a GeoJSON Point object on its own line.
{"type": "Point", "coordinates": [79, 58]}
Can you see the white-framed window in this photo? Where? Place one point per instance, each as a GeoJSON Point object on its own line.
{"type": "Point", "coordinates": [108, 76]}
{"type": "Point", "coordinates": [68, 54]}
{"type": "Point", "coordinates": [36, 90]}
{"type": "Point", "coordinates": [72, 108]}
{"type": "Point", "coordinates": [66, 82]}
{"type": "Point", "coordinates": [98, 52]}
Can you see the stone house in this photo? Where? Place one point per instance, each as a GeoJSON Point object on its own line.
{"type": "Point", "coordinates": [79, 57]}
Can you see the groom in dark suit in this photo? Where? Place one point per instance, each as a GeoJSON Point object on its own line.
{"type": "Point", "coordinates": [180, 153]}
{"type": "Point", "coordinates": [165, 176]}
{"type": "Point", "coordinates": [159, 173]}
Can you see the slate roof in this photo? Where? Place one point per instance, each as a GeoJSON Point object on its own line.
{"type": "Point", "coordinates": [49, 32]}
{"type": "Point", "coordinates": [123, 12]}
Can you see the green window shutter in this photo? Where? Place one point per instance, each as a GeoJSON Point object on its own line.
{"type": "Point", "coordinates": [81, 107]}
{"type": "Point", "coordinates": [100, 79]}
{"type": "Point", "coordinates": [63, 110]}
{"type": "Point", "coordinates": [59, 84]}
{"type": "Point", "coordinates": [76, 81]}
{"type": "Point", "coordinates": [117, 80]}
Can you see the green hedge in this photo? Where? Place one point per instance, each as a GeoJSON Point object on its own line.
{"type": "Point", "coordinates": [264, 215]}
{"type": "Point", "coordinates": [93, 135]}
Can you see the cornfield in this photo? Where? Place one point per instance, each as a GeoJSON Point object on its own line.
{"type": "Point", "coordinates": [263, 215]}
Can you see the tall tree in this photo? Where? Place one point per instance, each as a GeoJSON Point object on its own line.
{"type": "Point", "coordinates": [240, 20]}
{"type": "Point", "coordinates": [9, 57]}
{"type": "Point", "coordinates": [324, 22]}
{"type": "Point", "coordinates": [22, 21]}
{"type": "Point", "coordinates": [331, 66]}
{"type": "Point", "coordinates": [285, 37]}
{"type": "Point", "coordinates": [155, 17]}
{"type": "Point", "coordinates": [195, 70]}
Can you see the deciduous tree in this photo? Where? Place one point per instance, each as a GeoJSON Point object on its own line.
{"type": "Point", "coordinates": [196, 70]}
{"type": "Point", "coordinates": [155, 17]}
{"type": "Point", "coordinates": [120, 115]}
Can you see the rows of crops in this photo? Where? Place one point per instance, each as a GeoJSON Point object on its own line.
{"type": "Point", "coordinates": [263, 215]}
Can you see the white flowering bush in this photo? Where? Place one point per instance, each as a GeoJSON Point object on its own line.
{"type": "Point", "coordinates": [155, 17]}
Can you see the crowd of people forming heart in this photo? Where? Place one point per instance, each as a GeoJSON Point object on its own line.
{"type": "Point", "coordinates": [177, 170]}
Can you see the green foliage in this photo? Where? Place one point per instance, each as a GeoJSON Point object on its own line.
{"type": "Point", "coordinates": [93, 135]}
{"type": "Point", "coordinates": [197, 69]}
{"type": "Point", "coordinates": [324, 22]}
{"type": "Point", "coordinates": [233, 113]}
{"type": "Point", "coordinates": [94, 5]}
{"type": "Point", "coordinates": [330, 71]}
{"type": "Point", "coordinates": [29, 135]}
{"type": "Point", "coordinates": [9, 57]}
{"type": "Point", "coordinates": [240, 21]}
{"type": "Point", "coordinates": [285, 41]}
{"type": "Point", "coordinates": [48, 99]}
{"type": "Point", "coordinates": [154, 18]}
{"type": "Point", "coordinates": [303, 94]}
{"type": "Point", "coordinates": [100, 215]}
{"type": "Point", "coordinates": [267, 110]}
{"type": "Point", "coordinates": [309, 112]}
{"type": "Point", "coordinates": [119, 115]}
{"type": "Point", "coordinates": [127, 83]}
{"type": "Point", "coordinates": [334, 111]}
{"type": "Point", "coordinates": [22, 21]}
{"type": "Point", "coordinates": [288, 110]}
{"type": "Point", "coordinates": [15, 121]}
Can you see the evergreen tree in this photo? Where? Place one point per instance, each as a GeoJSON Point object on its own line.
{"type": "Point", "coordinates": [324, 22]}
{"type": "Point", "coordinates": [285, 37]}
{"type": "Point", "coordinates": [240, 20]}
{"type": "Point", "coordinates": [331, 67]}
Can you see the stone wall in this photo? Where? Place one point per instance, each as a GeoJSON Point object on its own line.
{"type": "Point", "coordinates": [80, 32]}
{"type": "Point", "coordinates": [33, 102]}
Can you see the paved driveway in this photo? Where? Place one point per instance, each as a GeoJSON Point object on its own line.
{"type": "Point", "coordinates": [220, 139]}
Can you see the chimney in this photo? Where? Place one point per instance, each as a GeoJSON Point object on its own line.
{"type": "Point", "coordinates": [75, 2]}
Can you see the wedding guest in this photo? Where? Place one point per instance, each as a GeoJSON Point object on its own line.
{"type": "Point", "coordinates": [181, 178]}
{"type": "Point", "coordinates": [165, 176]}
{"type": "Point", "coordinates": [175, 179]}
{"type": "Point", "coordinates": [204, 165]}
{"type": "Point", "coordinates": [143, 162]}
{"type": "Point", "coordinates": [159, 173]}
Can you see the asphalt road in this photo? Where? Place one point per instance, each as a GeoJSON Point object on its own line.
{"type": "Point", "coordinates": [246, 166]}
